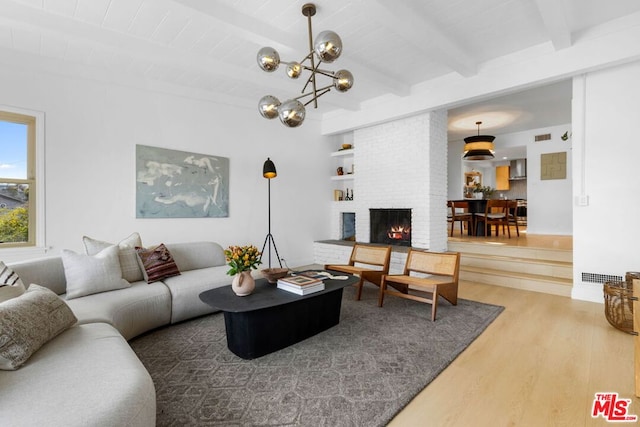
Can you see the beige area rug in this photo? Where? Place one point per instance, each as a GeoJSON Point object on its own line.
{"type": "Point", "coordinates": [359, 373]}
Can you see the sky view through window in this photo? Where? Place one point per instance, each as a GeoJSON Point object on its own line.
{"type": "Point", "coordinates": [13, 150]}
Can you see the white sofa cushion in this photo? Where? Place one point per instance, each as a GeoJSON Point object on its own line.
{"type": "Point", "coordinates": [186, 289]}
{"type": "Point", "coordinates": [126, 254]}
{"type": "Point", "coordinates": [133, 310]}
{"type": "Point", "coordinates": [87, 376]}
{"type": "Point", "coordinates": [29, 321]}
{"type": "Point", "coordinates": [195, 255]}
{"type": "Point", "coordinates": [47, 272]}
{"type": "Point", "coordinates": [10, 284]}
{"type": "Point", "coordinates": [88, 275]}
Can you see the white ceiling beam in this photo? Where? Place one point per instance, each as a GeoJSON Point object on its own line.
{"type": "Point", "coordinates": [555, 23]}
{"type": "Point", "coordinates": [19, 60]}
{"type": "Point", "coordinates": [241, 25]}
{"type": "Point", "coordinates": [404, 19]}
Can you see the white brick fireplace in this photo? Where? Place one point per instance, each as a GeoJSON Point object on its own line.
{"type": "Point", "coordinates": [400, 165]}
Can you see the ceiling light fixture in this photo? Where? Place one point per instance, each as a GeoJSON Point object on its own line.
{"type": "Point", "coordinates": [327, 48]}
{"type": "Point", "coordinates": [479, 147]}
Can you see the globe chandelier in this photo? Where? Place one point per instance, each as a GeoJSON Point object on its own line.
{"type": "Point", "coordinates": [479, 147]}
{"type": "Point", "coordinates": [327, 48]}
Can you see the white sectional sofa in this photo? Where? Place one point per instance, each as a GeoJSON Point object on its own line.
{"type": "Point", "coordinates": [88, 375]}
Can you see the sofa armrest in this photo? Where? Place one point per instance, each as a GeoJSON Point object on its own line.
{"type": "Point", "coordinates": [47, 272]}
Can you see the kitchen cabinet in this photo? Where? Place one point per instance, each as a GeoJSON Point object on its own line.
{"type": "Point", "coordinates": [502, 178]}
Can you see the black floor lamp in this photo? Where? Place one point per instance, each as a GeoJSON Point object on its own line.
{"type": "Point", "coordinates": [269, 172]}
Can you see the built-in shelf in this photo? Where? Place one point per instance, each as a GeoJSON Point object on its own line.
{"type": "Point", "coordinates": [340, 153]}
{"type": "Point", "coordinates": [342, 177]}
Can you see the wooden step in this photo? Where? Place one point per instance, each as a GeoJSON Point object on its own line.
{"type": "Point", "coordinates": [544, 270]}
{"type": "Point", "coordinates": [496, 248]}
{"type": "Point", "coordinates": [524, 281]}
{"type": "Point", "coordinates": [541, 267]}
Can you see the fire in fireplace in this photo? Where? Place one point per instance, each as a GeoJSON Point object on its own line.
{"type": "Point", "coordinates": [390, 226]}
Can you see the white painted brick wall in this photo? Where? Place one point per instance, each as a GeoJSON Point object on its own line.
{"type": "Point", "coordinates": [399, 164]}
{"type": "Point", "coordinates": [328, 253]}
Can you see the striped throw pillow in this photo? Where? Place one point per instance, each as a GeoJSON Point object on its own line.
{"type": "Point", "coordinates": [10, 284]}
{"type": "Point", "coordinates": [156, 263]}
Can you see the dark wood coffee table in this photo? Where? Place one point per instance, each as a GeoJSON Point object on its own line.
{"type": "Point", "coordinates": [271, 319]}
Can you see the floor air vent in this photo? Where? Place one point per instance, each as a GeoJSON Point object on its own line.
{"type": "Point", "coordinates": [543, 137]}
{"type": "Point", "coordinates": [600, 278]}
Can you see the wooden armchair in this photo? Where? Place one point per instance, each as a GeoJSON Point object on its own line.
{"type": "Point", "coordinates": [439, 276]}
{"type": "Point", "coordinates": [368, 262]}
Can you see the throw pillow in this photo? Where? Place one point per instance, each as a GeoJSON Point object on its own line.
{"type": "Point", "coordinates": [10, 284]}
{"type": "Point", "coordinates": [157, 263]}
{"type": "Point", "coordinates": [28, 322]}
{"type": "Point", "coordinates": [88, 275]}
{"type": "Point", "coordinates": [127, 254]}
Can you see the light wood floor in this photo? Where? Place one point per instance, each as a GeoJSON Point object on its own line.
{"type": "Point", "coordinates": [533, 240]}
{"type": "Point", "coordinates": [538, 364]}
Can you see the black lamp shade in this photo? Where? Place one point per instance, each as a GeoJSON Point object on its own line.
{"type": "Point", "coordinates": [478, 155]}
{"type": "Point", "coordinates": [269, 169]}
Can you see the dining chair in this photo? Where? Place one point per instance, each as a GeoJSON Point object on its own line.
{"type": "Point", "coordinates": [496, 213]}
{"type": "Point", "coordinates": [459, 212]}
{"type": "Point", "coordinates": [512, 209]}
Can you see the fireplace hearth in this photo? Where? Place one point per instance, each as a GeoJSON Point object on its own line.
{"type": "Point", "coordinates": [390, 226]}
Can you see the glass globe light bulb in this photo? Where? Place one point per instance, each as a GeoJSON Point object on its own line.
{"type": "Point", "coordinates": [328, 46]}
{"type": "Point", "coordinates": [268, 106]}
{"type": "Point", "coordinates": [291, 113]}
{"type": "Point", "coordinates": [294, 69]}
{"type": "Point", "coordinates": [342, 80]}
{"type": "Point", "coordinates": [268, 59]}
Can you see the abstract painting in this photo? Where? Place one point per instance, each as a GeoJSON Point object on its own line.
{"type": "Point", "coordinates": [179, 184]}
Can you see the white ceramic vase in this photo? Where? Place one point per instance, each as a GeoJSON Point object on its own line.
{"type": "Point", "coordinates": [243, 284]}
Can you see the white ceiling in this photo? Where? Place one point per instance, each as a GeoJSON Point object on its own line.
{"type": "Point", "coordinates": [540, 107]}
{"type": "Point", "coordinates": [207, 48]}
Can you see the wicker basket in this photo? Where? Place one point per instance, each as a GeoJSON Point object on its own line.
{"type": "Point", "coordinates": [618, 306]}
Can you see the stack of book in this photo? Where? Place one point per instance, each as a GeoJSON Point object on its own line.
{"type": "Point", "coordinates": [301, 285]}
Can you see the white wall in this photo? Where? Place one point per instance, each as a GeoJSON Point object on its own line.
{"type": "Point", "coordinates": [606, 153]}
{"type": "Point", "coordinates": [90, 135]}
{"type": "Point", "coordinates": [549, 202]}
{"type": "Point", "coordinates": [455, 170]}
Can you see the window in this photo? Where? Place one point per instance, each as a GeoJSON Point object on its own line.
{"type": "Point", "coordinates": [18, 187]}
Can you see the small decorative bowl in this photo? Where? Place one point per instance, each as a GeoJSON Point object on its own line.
{"type": "Point", "coordinates": [273, 274]}
{"type": "Point", "coordinates": [346, 146]}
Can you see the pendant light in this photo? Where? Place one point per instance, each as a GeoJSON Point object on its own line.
{"type": "Point", "coordinates": [479, 147]}
{"type": "Point", "coordinates": [326, 49]}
